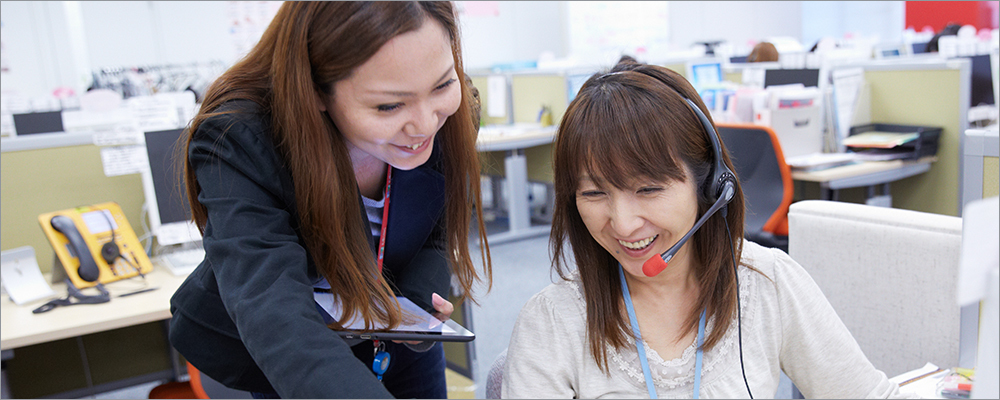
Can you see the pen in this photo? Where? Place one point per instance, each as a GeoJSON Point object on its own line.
{"type": "Point", "coordinates": [920, 377]}
{"type": "Point", "coordinates": [139, 291]}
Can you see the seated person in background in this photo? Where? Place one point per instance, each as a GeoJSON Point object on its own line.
{"type": "Point", "coordinates": [949, 30]}
{"type": "Point", "coordinates": [763, 52]}
{"type": "Point", "coordinates": [635, 168]}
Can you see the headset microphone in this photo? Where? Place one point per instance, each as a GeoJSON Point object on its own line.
{"type": "Point", "coordinates": [658, 263]}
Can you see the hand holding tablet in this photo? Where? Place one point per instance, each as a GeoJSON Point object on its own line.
{"type": "Point", "coordinates": [417, 325]}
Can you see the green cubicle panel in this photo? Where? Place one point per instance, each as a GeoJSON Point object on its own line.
{"type": "Point", "coordinates": [532, 92]}
{"type": "Point", "coordinates": [927, 94]}
{"type": "Point", "coordinates": [38, 181]}
{"type": "Point", "coordinates": [991, 177]}
{"type": "Point", "coordinates": [41, 180]}
{"type": "Point", "coordinates": [480, 83]}
{"type": "Point", "coordinates": [680, 68]}
{"type": "Point", "coordinates": [928, 97]}
{"type": "Point", "coordinates": [735, 76]}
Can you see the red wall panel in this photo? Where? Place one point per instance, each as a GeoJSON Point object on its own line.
{"type": "Point", "coordinates": [938, 14]}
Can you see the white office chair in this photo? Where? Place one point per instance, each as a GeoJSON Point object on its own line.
{"type": "Point", "coordinates": [890, 274]}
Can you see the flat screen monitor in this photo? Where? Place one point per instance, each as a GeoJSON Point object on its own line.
{"type": "Point", "coordinates": [38, 122]}
{"type": "Point", "coordinates": [573, 84]}
{"type": "Point", "coordinates": [889, 52]}
{"type": "Point", "coordinates": [738, 59]}
{"type": "Point", "coordinates": [807, 77]}
{"type": "Point", "coordinates": [919, 47]}
{"type": "Point", "coordinates": [166, 196]}
{"type": "Point", "coordinates": [982, 81]}
{"type": "Point", "coordinates": [704, 75]}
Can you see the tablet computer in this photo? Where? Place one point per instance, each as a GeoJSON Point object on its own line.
{"type": "Point", "coordinates": [417, 324]}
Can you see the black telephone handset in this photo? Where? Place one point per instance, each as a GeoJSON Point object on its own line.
{"type": "Point", "coordinates": [88, 270]}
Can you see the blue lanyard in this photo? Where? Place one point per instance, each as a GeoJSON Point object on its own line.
{"type": "Point", "coordinates": [642, 353]}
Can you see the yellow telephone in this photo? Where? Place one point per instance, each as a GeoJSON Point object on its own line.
{"type": "Point", "coordinates": [95, 244]}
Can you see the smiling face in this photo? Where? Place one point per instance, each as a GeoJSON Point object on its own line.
{"type": "Point", "coordinates": [640, 221]}
{"type": "Point", "coordinates": [391, 107]}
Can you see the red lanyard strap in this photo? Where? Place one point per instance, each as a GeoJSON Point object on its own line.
{"type": "Point", "coordinates": [385, 219]}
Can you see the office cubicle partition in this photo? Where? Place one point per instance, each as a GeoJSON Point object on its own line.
{"type": "Point", "coordinates": [927, 93]}
{"type": "Point", "coordinates": [916, 91]}
{"type": "Point", "coordinates": [47, 172]}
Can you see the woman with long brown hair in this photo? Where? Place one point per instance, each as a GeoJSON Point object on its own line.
{"type": "Point", "coordinates": [338, 155]}
{"type": "Point", "coordinates": [647, 229]}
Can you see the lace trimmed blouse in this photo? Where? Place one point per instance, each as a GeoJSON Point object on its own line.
{"type": "Point", "coordinates": [788, 325]}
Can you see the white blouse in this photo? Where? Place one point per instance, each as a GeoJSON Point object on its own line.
{"type": "Point", "coordinates": [788, 325]}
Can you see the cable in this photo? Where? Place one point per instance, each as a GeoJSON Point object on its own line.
{"type": "Point", "coordinates": [739, 317]}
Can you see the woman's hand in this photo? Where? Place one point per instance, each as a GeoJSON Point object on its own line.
{"type": "Point", "coordinates": [444, 309]}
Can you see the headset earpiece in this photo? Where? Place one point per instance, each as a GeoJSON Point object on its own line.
{"type": "Point", "coordinates": [721, 176]}
{"type": "Point", "coordinates": [110, 251]}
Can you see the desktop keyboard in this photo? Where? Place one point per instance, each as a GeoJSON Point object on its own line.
{"type": "Point", "coordinates": [182, 262]}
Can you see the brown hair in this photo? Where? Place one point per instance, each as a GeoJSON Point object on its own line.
{"type": "Point", "coordinates": [763, 52]}
{"type": "Point", "coordinates": [306, 49]}
{"type": "Point", "coordinates": [626, 125]}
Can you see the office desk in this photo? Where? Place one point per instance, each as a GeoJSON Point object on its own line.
{"type": "Point", "coordinates": [869, 173]}
{"type": "Point", "coordinates": [20, 328]}
{"type": "Point", "coordinates": [514, 139]}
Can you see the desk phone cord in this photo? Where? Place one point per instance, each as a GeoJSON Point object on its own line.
{"type": "Point", "coordinates": [74, 293]}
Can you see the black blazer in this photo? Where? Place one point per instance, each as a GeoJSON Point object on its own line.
{"type": "Point", "coordinates": [246, 316]}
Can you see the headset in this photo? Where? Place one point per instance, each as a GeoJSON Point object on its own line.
{"type": "Point", "coordinates": [720, 188]}
{"type": "Point", "coordinates": [111, 252]}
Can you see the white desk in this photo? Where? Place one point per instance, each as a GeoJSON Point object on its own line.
{"type": "Point", "coordinates": [514, 139]}
{"type": "Point", "coordinates": [870, 174]}
{"type": "Point", "coordinates": [19, 327]}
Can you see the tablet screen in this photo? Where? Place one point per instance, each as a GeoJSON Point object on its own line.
{"type": "Point", "coordinates": [417, 324]}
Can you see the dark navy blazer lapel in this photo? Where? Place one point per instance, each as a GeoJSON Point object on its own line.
{"type": "Point", "coordinates": [415, 206]}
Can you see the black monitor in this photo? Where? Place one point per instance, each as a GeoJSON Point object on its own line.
{"type": "Point", "coordinates": [738, 59]}
{"type": "Point", "coordinates": [169, 212]}
{"type": "Point", "coordinates": [38, 122]}
{"type": "Point", "coordinates": [807, 77]}
{"type": "Point", "coordinates": [919, 47]}
{"type": "Point", "coordinates": [982, 81]}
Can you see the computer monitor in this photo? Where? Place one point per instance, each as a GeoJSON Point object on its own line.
{"type": "Point", "coordinates": [918, 48]}
{"type": "Point", "coordinates": [737, 59]}
{"type": "Point", "coordinates": [890, 51]}
{"type": "Point", "coordinates": [166, 196]}
{"type": "Point", "coordinates": [704, 74]}
{"type": "Point", "coordinates": [995, 66]}
{"type": "Point", "coordinates": [38, 122]}
{"type": "Point", "coordinates": [807, 77]}
{"type": "Point", "coordinates": [982, 81]}
{"type": "Point", "coordinates": [574, 82]}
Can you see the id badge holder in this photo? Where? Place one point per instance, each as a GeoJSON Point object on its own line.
{"type": "Point", "coordinates": [382, 358]}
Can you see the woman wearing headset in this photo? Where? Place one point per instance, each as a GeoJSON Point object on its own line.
{"type": "Point", "coordinates": [338, 155]}
{"type": "Point", "coordinates": [636, 172]}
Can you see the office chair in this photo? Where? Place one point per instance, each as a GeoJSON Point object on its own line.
{"type": "Point", "coordinates": [766, 181]}
{"type": "Point", "coordinates": [198, 387]}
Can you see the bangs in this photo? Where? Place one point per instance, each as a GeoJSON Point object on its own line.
{"type": "Point", "coordinates": [620, 139]}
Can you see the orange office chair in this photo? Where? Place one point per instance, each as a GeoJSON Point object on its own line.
{"type": "Point", "coordinates": [766, 181]}
{"type": "Point", "coordinates": [198, 387]}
